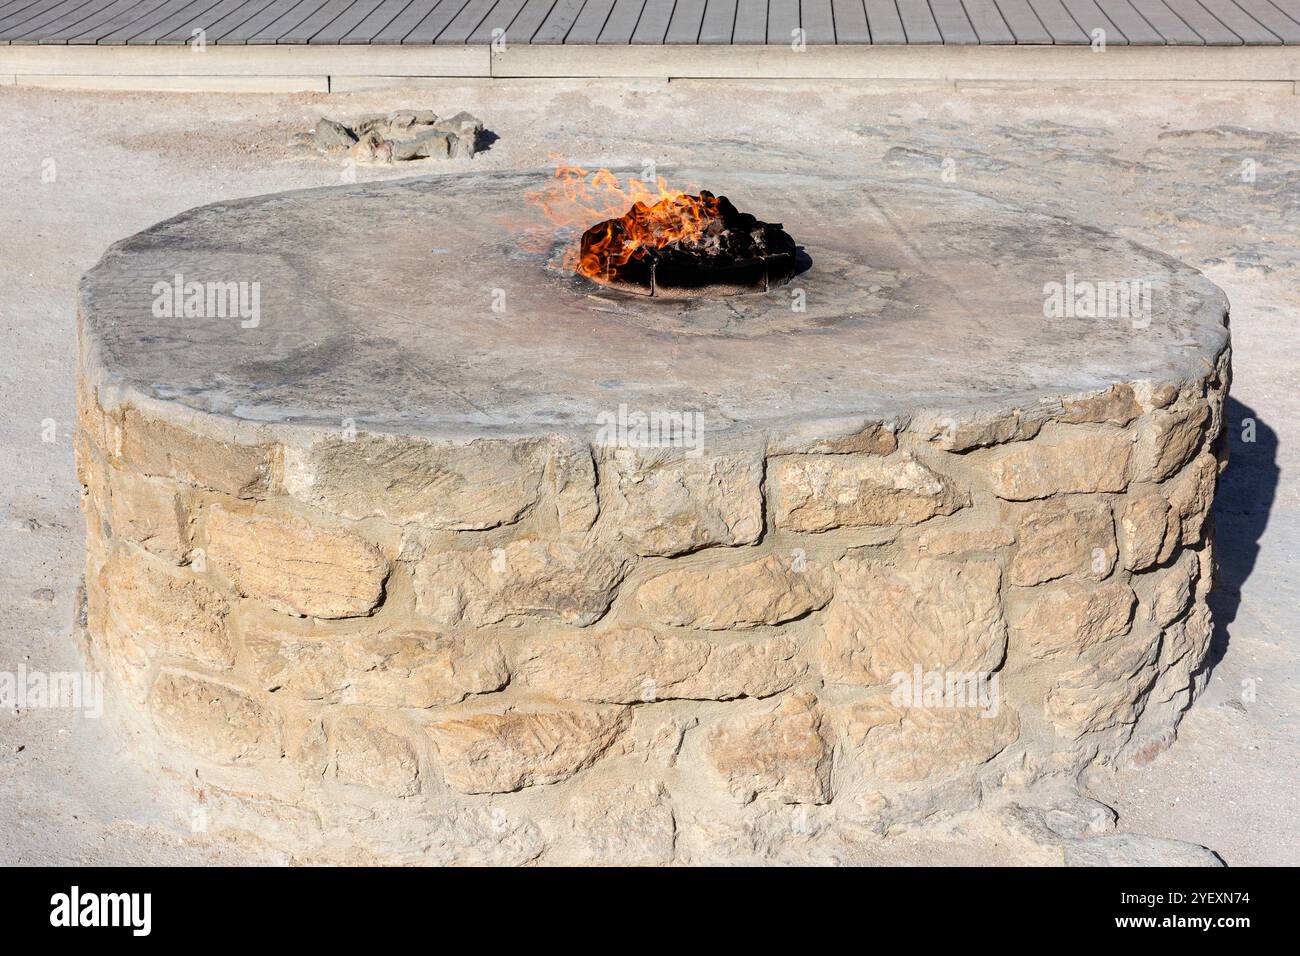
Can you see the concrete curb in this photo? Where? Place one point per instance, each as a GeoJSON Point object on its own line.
{"type": "Point", "coordinates": [349, 68]}
{"type": "Point", "coordinates": [1041, 64]}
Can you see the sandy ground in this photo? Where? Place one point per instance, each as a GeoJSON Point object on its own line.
{"type": "Point", "coordinates": [1211, 178]}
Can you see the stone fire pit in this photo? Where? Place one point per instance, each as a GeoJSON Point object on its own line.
{"type": "Point", "coordinates": [393, 566]}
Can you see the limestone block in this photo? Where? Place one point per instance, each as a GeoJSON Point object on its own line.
{"type": "Point", "coordinates": [297, 567]}
{"type": "Point", "coordinates": [148, 512]}
{"type": "Point", "coordinates": [368, 754]}
{"type": "Point", "coordinates": [941, 614]}
{"type": "Point", "coordinates": [1169, 438]}
{"type": "Point", "coordinates": [153, 447]}
{"type": "Point", "coordinates": [569, 501]}
{"type": "Point", "coordinates": [397, 669]}
{"type": "Point", "coordinates": [767, 590]}
{"type": "Point", "coordinates": [501, 753]}
{"type": "Point", "coordinates": [474, 485]}
{"type": "Point", "coordinates": [780, 753]}
{"type": "Point", "coordinates": [902, 744]}
{"type": "Point", "coordinates": [1060, 538]}
{"type": "Point", "coordinates": [637, 665]}
{"type": "Point", "coordinates": [114, 648]}
{"type": "Point", "coordinates": [660, 502]}
{"type": "Point", "coordinates": [160, 611]}
{"type": "Point", "coordinates": [1069, 616]}
{"type": "Point", "coordinates": [1063, 460]}
{"type": "Point", "coordinates": [964, 534]}
{"type": "Point", "coordinates": [1104, 689]}
{"type": "Point", "coordinates": [978, 429]}
{"type": "Point", "coordinates": [1186, 642]}
{"type": "Point", "coordinates": [213, 721]}
{"type": "Point", "coordinates": [529, 576]}
{"type": "Point", "coordinates": [821, 492]}
{"type": "Point", "coordinates": [1117, 405]}
{"type": "Point", "coordinates": [1174, 589]}
{"type": "Point", "coordinates": [874, 438]}
{"type": "Point", "coordinates": [1191, 496]}
{"type": "Point", "coordinates": [1145, 533]}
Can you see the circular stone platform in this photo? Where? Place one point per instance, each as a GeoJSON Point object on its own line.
{"type": "Point", "coordinates": [403, 541]}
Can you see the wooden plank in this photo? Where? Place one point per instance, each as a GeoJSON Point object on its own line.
{"type": "Point", "coordinates": [818, 21]}
{"type": "Point", "coordinates": [128, 24]}
{"type": "Point", "coordinates": [1203, 22]}
{"type": "Point", "coordinates": [782, 21]}
{"type": "Point", "coordinates": [29, 12]}
{"type": "Point", "coordinates": [396, 29]}
{"type": "Point", "coordinates": [502, 14]}
{"type": "Point", "coordinates": [237, 34]}
{"type": "Point", "coordinates": [622, 21]}
{"type": "Point", "coordinates": [376, 20]}
{"type": "Point", "coordinates": [1133, 25]}
{"type": "Point", "coordinates": [268, 62]}
{"type": "Point", "coordinates": [918, 22]}
{"type": "Point", "coordinates": [347, 21]}
{"type": "Point", "coordinates": [686, 23]}
{"type": "Point", "coordinates": [719, 24]}
{"type": "Point", "coordinates": [271, 32]}
{"type": "Point", "coordinates": [1285, 28]}
{"type": "Point", "coordinates": [428, 29]}
{"type": "Point", "coordinates": [528, 21]}
{"type": "Point", "coordinates": [850, 21]}
{"type": "Point", "coordinates": [591, 20]}
{"type": "Point", "coordinates": [98, 22]}
{"type": "Point", "coordinates": [8, 10]}
{"type": "Point", "coordinates": [1290, 7]}
{"type": "Point", "coordinates": [106, 21]}
{"type": "Point", "coordinates": [317, 22]}
{"type": "Point", "coordinates": [1024, 23]}
{"type": "Point", "coordinates": [235, 19]}
{"type": "Point", "coordinates": [987, 20]}
{"type": "Point", "coordinates": [213, 15]}
{"type": "Point", "coordinates": [751, 22]}
{"type": "Point", "coordinates": [8, 7]}
{"type": "Point", "coordinates": [243, 32]}
{"type": "Point", "coordinates": [1173, 29]}
{"type": "Point", "coordinates": [72, 19]}
{"type": "Point", "coordinates": [33, 18]}
{"type": "Point", "coordinates": [1058, 22]}
{"type": "Point", "coordinates": [182, 16]}
{"type": "Point", "coordinates": [884, 22]}
{"type": "Point", "coordinates": [1089, 17]}
{"type": "Point", "coordinates": [466, 21]}
{"type": "Point", "coordinates": [1241, 23]}
{"type": "Point", "coordinates": [558, 22]}
{"type": "Point", "coordinates": [952, 21]}
{"type": "Point", "coordinates": [656, 16]}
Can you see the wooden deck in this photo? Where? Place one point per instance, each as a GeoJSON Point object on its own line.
{"type": "Point", "coordinates": [653, 22]}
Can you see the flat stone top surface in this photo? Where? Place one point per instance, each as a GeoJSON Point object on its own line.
{"type": "Point", "coordinates": [438, 306]}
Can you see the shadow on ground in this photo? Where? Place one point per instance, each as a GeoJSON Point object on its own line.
{"type": "Point", "coordinates": [1242, 506]}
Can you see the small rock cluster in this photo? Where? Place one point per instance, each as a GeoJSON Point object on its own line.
{"type": "Point", "coordinates": [401, 136]}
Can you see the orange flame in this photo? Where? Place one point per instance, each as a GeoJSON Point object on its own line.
{"type": "Point", "coordinates": [636, 218]}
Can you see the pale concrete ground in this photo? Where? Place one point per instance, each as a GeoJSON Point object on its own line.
{"type": "Point", "coordinates": [1165, 169]}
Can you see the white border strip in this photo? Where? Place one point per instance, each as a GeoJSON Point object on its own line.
{"type": "Point", "coordinates": [313, 68]}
